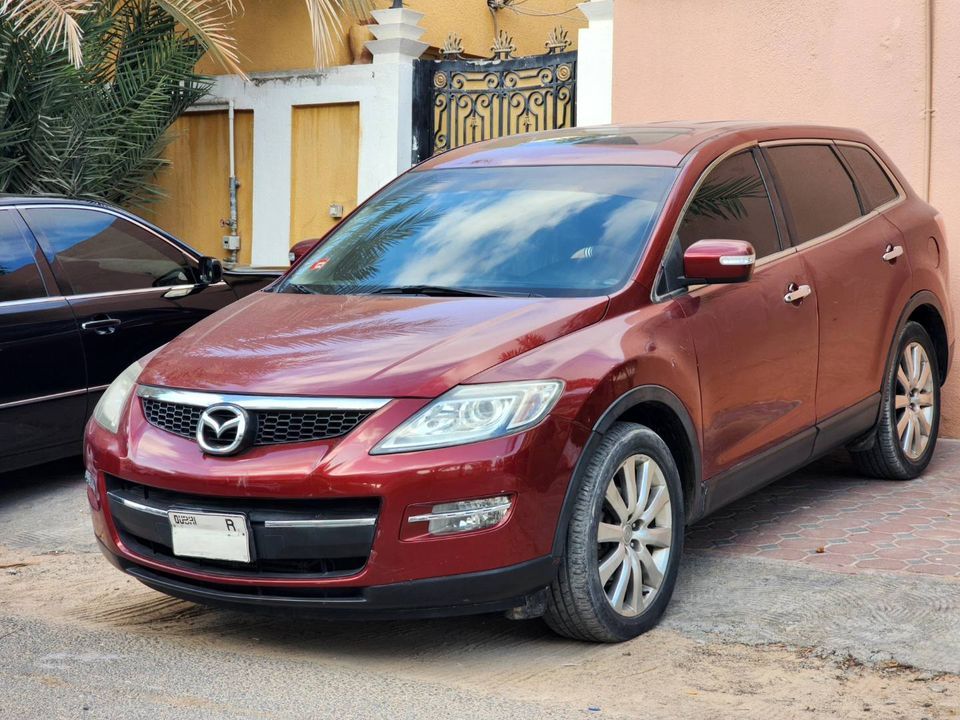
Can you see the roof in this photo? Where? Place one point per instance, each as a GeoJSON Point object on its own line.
{"type": "Point", "coordinates": [664, 144]}
{"type": "Point", "coordinates": [6, 199]}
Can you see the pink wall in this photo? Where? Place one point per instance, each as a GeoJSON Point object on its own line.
{"type": "Point", "coordinates": [840, 62]}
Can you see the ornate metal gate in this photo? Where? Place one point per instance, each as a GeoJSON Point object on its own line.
{"type": "Point", "coordinates": [456, 102]}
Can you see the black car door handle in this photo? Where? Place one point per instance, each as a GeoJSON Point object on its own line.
{"type": "Point", "coordinates": [102, 326]}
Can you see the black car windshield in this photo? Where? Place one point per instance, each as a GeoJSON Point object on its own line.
{"type": "Point", "coordinates": [551, 231]}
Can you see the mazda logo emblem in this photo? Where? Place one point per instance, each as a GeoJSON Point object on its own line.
{"type": "Point", "coordinates": [224, 429]}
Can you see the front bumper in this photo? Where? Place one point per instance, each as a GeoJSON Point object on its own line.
{"type": "Point", "coordinates": [395, 571]}
{"type": "Point", "coordinates": [469, 593]}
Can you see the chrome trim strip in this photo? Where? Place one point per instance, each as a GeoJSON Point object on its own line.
{"type": "Point", "coordinates": [455, 514]}
{"type": "Point", "coordinates": [27, 301]}
{"type": "Point", "coordinates": [139, 507]}
{"type": "Point", "coordinates": [113, 293]}
{"type": "Point", "coordinates": [773, 257]}
{"type": "Point", "coordinates": [259, 402]}
{"type": "Point", "coordinates": [43, 398]}
{"type": "Point", "coordinates": [142, 291]}
{"type": "Point", "coordinates": [323, 523]}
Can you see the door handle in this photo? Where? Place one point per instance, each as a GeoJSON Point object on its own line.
{"type": "Point", "coordinates": [101, 326]}
{"type": "Point", "coordinates": [796, 293]}
{"type": "Point", "coordinates": [892, 253]}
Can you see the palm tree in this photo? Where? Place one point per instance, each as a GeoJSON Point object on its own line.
{"type": "Point", "coordinates": [57, 24]}
{"type": "Point", "coordinates": [88, 89]}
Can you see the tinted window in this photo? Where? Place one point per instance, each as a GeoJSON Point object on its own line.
{"type": "Point", "coordinates": [19, 276]}
{"type": "Point", "coordinates": [532, 230]}
{"type": "Point", "coordinates": [99, 252]}
{"type": "Point", "coordinates": [732, 204]}
{"type": "Point", "coordinates": [874, 183]}
{"type": "Point", "coordinates": [815, 186]}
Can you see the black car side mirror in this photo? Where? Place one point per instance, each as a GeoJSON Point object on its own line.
{"type": "Point", "coordinates": [211, 271]}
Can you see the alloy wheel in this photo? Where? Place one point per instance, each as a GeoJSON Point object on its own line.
{"type": "Point", "coordinates": [915, 400]}
{"type": "Point", "coordinates": [634, 535]}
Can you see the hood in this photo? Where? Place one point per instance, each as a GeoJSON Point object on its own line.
{"type": "Point", "coordinates": [360, 346]}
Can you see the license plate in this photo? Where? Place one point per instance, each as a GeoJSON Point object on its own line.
{"type": "Point", "coordinates": [214, 536]}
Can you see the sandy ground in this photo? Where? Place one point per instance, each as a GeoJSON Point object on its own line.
{"type": "Point", "coordinates": [80, 640]}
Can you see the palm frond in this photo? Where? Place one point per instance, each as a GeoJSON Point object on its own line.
{"type": "Point", "coordinates": [49, 23]}
{"type": "Point", "coordinates": [209, 22]}
{"type": "Point", "coordinates": [97, 131]}
{"type": "Point", "coordinates": [326, 26]}
{"type": "Point", "coordinates": [724, 198]}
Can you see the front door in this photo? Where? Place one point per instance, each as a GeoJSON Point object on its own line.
{"type": "Point", "coordinates": [756, 350]}
{"type": "Point", "coordinates": [131, 290]}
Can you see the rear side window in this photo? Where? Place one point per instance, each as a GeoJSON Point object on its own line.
{"type": "Point", "coordinates": [875, 185]}
{"type": "Point", "coordinates": [732, 204]}
{"type": "Point", "coordinates": [815, 187]}
{"type": "Point", "coordinates": [99, 252]}
{"type": "Point", "coordinates": [19, 276]}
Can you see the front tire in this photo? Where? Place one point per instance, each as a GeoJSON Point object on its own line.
{"type": "Point", "coordinates": [623, 545]}
{"type": "Point", "coordinates": [906, 432]}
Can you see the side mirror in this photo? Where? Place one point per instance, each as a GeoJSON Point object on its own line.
{"type": "Point", "coordinates": [301, 249]}
{"type": "Point", "coordinates": [709, 262]}
{"type": "Point", "coordinates": [211, 271]}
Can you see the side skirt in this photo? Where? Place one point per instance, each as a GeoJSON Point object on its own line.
{"type": "Point", "coordinates": [791, 454]}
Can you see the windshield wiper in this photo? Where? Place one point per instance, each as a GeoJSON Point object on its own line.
{"type": "Point", "coordinates": [298, 288]}
{"type": "Point", "coordinates": [443, 291]}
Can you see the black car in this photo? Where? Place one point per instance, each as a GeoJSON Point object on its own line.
{"type": "Point", "coordinates": [86, 289]}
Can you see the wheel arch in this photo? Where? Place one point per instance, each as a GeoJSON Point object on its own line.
{"type": "Point", "coordinates": [924, 308]}
{"type": "Point", "coordinates": [662, 411]}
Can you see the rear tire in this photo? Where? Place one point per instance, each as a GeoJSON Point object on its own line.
{"type": "Point", "coordinates": [906, 432]}
{"type": "Point", "coordinates": [623, 545]}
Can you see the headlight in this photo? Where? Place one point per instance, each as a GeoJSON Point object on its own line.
{"type": "Point", "coordinates": [470, 413]}
{"type": "Point", "coordinates": [108, 410]}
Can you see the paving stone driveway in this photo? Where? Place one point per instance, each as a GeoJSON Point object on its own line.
{"type": "Point", "coordinates": [826, 516]}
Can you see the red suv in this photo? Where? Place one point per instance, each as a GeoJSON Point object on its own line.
{"type": "Point", "coordinates": [510, 379]}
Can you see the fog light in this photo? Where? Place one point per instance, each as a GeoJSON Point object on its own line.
{"type": "Point", "coordinates": [465, 515]}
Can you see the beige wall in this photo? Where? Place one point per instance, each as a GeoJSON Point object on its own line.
{"type": "Point", "coordinates": [845, 62]}
{"type": "Point", "coordinates": [275, 34]}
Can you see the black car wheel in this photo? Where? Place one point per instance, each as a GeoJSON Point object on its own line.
{"type": "Point", "coordinates": [906, 432]}
{"type": "Point", "coordinates": [623, 543]}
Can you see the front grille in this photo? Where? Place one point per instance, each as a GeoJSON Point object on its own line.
{"type": "Point", "coordinates": [179, 419]}
{"type": "Point", "coordinates": [273, 426]}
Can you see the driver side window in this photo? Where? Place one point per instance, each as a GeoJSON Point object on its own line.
{"type": "Point", "coordinates": [99, 252]}
{"type": "Point", "coordinates": [732, 204]}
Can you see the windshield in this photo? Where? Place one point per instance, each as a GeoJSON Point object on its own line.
{"type": "Point", "coordinates": [552, 231]}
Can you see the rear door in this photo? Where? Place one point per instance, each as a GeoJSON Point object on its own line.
{"type": "Point", "coordinates": [852, 253]}
{"type": "Point", "coordinates": [131, 289]}
{"type": "Point", "coordinates": [42, 383]}
{"type": "Point", "coordinates": [757, 353]}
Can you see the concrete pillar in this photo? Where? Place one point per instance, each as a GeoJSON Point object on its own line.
{"type": "Point", "coordinates": [394, 51]}
{"type": "Point", "coordinates": [595, 64]}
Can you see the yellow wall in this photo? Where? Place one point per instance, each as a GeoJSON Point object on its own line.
{"type": "Point", "coordinates": [275, 34]}
{"type": "Point", "coordinates": [325, 144]}
{"type": "Point", "coordinates": [196, 183]}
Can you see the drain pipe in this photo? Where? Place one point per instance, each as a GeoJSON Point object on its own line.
{"type": "Point", "coordinates": [234, 242]}
{"type": "Point", "coordinates": [928, 100]}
